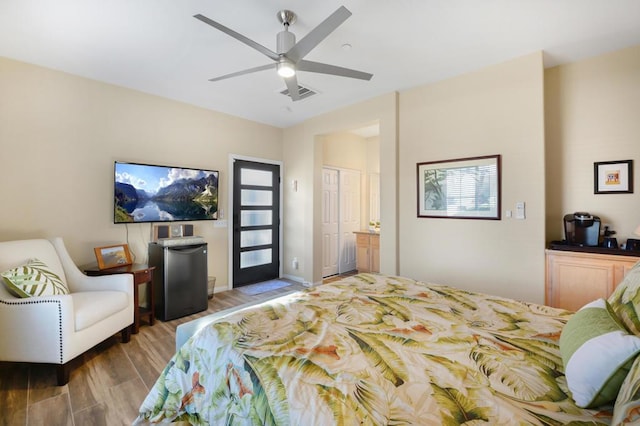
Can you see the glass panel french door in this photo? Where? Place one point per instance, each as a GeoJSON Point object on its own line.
{"type": "Point", "coordinates": [256, 222]}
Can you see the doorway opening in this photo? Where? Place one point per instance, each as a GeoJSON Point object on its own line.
{"type": "Point", "coordinates": [350, 194]}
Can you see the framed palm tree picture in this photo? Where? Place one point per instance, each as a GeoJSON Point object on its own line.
{"type": "Point", "coordinates": [463, 188]}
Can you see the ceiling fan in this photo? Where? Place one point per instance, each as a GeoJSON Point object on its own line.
{"type": "Point", "coordinates": [289, 55]}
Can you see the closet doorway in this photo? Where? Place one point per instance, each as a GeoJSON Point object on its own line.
{"type": "Point", "coordinates": [340, 219]}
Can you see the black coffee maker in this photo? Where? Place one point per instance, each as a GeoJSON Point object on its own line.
{"type": "Point", "coordinates": [582, 229]}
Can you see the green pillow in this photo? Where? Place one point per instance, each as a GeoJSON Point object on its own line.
{"type": "Point", "coordinates": [597, 352]}
{"type": "Point", "coordinates": [625, 300]}
{"type": "Point", "coordinates": [33, 279]}
{"type": "Point", "coordinates": [627, 408]}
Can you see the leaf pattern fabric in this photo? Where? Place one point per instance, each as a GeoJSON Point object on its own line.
{"type": "Point", "coordinates": [372, 350]}
{"type": "Point", "coordinates": [34, 279]}
{"type": "Point", "coordinates": [627, 407]}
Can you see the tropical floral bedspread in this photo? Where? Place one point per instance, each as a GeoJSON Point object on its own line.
{"type": "Point", "coordinates": [373, 350]}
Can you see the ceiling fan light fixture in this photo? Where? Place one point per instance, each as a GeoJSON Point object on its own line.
{"type": "Point", "coordinates": [285, 69]}
{"type": "Point", "coordinates": [289, 54]}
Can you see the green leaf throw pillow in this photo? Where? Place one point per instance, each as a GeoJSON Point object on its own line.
{"type": "Point", "coordinates": [626, 411]}
{"type": "Point", "coordinates": [33, 279]}
{"type": "Point", "coordinates": [625, 300]}
{"type": "Point", "coordinates": [597, 352]}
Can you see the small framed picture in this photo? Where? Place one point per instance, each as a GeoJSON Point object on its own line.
{"type": "Point", "coordinates": [613, 177]}
{"type": "Point", "coordinates": [113, 256]}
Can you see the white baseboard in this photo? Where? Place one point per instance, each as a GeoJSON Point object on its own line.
{"type": "Point", "coordinates": [293, 278]}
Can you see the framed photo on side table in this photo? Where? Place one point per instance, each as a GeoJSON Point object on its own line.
{"type": "Point", "coordinates": [613, 177]}
{"type": "Point", "coordinates": [464, 188]}
{"type": "Point", "coordinates": [113, 256]}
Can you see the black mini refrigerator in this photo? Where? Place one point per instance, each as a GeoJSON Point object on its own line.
{"type": "Point", "coordinates": [179, 280]}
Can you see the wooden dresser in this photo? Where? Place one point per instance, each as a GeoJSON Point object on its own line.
{"type": "Point", "coordinates": [367, 252]}
{"type": "Point", "coordinates": [575, 278]}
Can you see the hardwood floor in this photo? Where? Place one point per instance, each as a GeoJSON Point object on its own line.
{"type": "Point", "coordinates": [109, 382]}
{"type": "Point", "coordinates": [338, 277]}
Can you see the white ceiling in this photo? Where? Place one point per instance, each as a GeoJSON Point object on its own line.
{"type": "Point", "coordinates": [157, 47]}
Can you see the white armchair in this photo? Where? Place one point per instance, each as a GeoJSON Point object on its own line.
{"type": "Point", "coordinates": [57, 329]}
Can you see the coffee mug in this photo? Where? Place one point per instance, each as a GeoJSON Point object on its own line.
{"type": "Point", "coordinates": [610, 242]}
{"type": "Point", "coordinates": [633, 244]}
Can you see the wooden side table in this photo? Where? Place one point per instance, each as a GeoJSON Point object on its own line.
{"type": "Point", "coordinates": [142, 273]}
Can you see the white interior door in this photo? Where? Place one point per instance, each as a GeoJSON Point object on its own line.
{"type": "Point", "coordinates": [330, 225]}
{"type": "Point", "coordinates": [340, 219]}
{"type": "Point", "coordinates": [349, 219]}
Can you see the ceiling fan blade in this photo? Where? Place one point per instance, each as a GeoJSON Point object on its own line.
{"type": "Point", "coordinates": [247, 71]}
{"type": "Point", "coordinates": [321, 68]}
{"type": "Point", "coordinates": [319, 33]}
{"type": "Point", "coordinates": [292, 86]}
{"type": "Point", "coordinates": [260, 48]}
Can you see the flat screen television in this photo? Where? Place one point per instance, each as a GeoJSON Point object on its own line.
{"type": "Point", "coordinates": [151, 193]}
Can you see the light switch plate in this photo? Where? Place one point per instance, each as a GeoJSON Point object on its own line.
{"type": "Point", "coordinates": [220, 224]}
{"type": "Point", "coordinates": [520, 213]}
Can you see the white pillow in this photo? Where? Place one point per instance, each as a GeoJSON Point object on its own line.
{"type": "Point", "coordinates": [33, 279]}
{"type": "Point", "coordinates": [597, 352]}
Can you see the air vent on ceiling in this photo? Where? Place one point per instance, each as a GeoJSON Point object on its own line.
{"type": "Point", "coordinates": [304, 92]}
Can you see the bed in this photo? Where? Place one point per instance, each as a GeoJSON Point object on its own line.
{"type": "Point", "coordinates": [373, 349]}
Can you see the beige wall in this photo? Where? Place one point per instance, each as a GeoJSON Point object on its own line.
{"type": "Point", "coordinates": [61, 134]}
{"type": "Point", "coordinates": [345, 150]}
{"type": "Point", "coordinates": [497, 110]}
{"type": "Point", "coordinates": [373, 154]}
{"type": "Point", "coordinates": [592, 109]}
